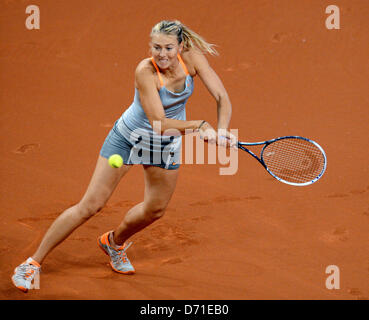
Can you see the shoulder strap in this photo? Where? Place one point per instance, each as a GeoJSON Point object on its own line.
{"type": "Point", "coordinates": [183, 64]}
{"type": "Point", "coordinates": [157, 70]}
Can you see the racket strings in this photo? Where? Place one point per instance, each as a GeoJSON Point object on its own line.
{"type": "Point", "coordinates": [294, 160]}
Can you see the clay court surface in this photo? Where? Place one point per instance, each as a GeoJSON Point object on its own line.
{"type": "Point", "coordinates": [242, 236]}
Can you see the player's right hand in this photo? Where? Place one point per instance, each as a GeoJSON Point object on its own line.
{"type": "Point", "coordinates": [207, 133]}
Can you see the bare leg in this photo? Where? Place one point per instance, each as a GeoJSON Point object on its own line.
{"type": "Point", "coordinates": [102, 184]}
{"type": "Point", "coordinates": [159, 188]}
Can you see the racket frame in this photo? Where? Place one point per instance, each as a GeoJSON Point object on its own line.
{"type": "Point", "coordinates": [241, 145]}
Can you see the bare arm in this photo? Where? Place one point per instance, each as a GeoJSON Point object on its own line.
{"type": "Point", "coordinates": [216, 89]}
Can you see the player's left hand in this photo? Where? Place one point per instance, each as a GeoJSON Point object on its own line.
{"type": "Point", "coordinates": [226, 139]}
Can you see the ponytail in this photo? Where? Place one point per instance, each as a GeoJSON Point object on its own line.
{"type": "Point", "coordinates": [184, 34]}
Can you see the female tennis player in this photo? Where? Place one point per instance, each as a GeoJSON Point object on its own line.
{"type": "Point", "coordinates": [142, 135]}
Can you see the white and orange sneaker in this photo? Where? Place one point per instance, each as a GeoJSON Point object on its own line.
{"type": "Point", "coordinates": [25, 274]}
{"type": "Point", "coordinates": [118, 257]}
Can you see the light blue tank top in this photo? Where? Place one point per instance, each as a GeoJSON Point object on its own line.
{"type": "Point", "coordinates": [174, 103]}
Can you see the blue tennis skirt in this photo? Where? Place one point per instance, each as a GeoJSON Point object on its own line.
{"type": "Point", "coordinates": [142, 147]}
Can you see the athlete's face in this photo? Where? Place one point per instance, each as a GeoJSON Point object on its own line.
{"type": "Point", "coordinates": [164, 49]}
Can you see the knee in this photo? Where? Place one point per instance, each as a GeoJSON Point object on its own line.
{"type": "Point", "coordinates": [155, 212]}
{"type": "Point", "coordinates": [88, 209]}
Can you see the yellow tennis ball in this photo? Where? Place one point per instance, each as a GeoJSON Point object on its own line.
{"type": "Point", "coordinates": [115, 161]}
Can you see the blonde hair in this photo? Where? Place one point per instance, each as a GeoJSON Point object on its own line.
{"type": "Point", "coordinates": [184, 34]}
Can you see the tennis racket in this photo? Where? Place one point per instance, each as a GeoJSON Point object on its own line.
{"type": "Point", "coordinates": [293, 160]}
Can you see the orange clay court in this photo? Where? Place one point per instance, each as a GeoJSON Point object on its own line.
{"type": "Point", "coordinates": [242, 236]}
